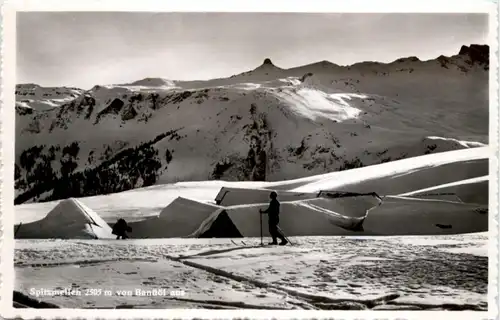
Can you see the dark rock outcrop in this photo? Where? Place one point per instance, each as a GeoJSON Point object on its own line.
{"type": "Point", "coordinates": [22, 111]}
{"type": "Point", "coordinates": [477, 53]}
{"type": "Point", "coordinates": [268, 62]}
{"type": "Point", "coordinates": [113, 108]}
{"type": "Point", "coordinates": [304, 77]}
{"type": "Point", "coordinates": [129, 113]}
{"type": "Point", "coordinates": [408, 59]}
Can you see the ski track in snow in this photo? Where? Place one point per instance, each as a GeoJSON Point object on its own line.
{"type": "Point", "coordinates": [440, 272]}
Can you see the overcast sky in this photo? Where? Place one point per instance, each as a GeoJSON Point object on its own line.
{"type": "Point", "coordinates": [85, 49]}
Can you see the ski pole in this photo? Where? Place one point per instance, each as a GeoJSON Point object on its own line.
{"type": "Point", "coordinates": [281, 230]}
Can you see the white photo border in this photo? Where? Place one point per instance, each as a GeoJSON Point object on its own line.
{"type": "Point", "coordinates": [7, 120]}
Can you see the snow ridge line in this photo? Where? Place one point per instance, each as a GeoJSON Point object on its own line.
{"type": "Point", "coordinates": [216, 251]}
{"type": "Point", "coordinates": [309, 299]}
{"type": "Point", "coordinates": [79, 205]}
{"type": "Point", "coordinates": [205, 304]}
{"type": "Point", "coordinates": [80, 262]}
{"type": "Point", "coordinates": [230, 304]}
{"type": "Point", "coordinates": [419, 199]}
{"type": "Point", "coordinates": [241, 246]}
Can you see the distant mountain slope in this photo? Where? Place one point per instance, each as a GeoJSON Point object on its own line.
{"type": "Point", "coordinates": [32, 96]}
{"type": "Point", "coordinates": [308, 120]}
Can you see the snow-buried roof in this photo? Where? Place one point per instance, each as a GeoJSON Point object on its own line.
{"type": "Point", "coordinates": [313, 217]}
{"type": "Point", "coordinates": [70, 219]}
{"type": "Point", "coordinates": [228, 196]}
{"type": "Point", "coordinates": [180, 218]}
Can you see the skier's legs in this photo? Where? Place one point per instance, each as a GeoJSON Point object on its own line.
{"type": "Point", "coordinates": [278, 233]}
{"type": "Point", "coordinates": [122, 235]}
{"type": "Point", "coordinates": [273, 230]}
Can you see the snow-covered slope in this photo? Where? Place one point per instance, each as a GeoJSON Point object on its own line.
{"type": "Point", "coordinates": [308, 120]}
{"type": "Point", "coordinates": [187, 209]}
{"type": "Point", "coordinates": [424, 173]}
{"type": "Point", "coordinates": [33, 96]}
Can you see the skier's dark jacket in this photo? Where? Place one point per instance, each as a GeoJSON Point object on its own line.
{"type": "Point", "coordinates": [120, 227]}
{"type": "Point", "coordinates": [274, 209]}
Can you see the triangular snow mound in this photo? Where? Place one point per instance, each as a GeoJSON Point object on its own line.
{"type": "Point", "coordinates": [70, 219]}
{"type": "Point", "coordinates": [316, 217]}
{"type": "Point", "coordinates": [236, 196]}
{"type": "Point", "coordinates": [410, 216]}
{"type": "Point", "coordinates": [179, 219]}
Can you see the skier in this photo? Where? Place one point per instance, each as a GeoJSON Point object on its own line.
{"type": "Point", "coordinates": [120, 229]}
{"type": "Point", "coordinates": [273, 211]}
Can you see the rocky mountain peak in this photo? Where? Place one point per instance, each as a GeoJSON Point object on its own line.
{"type": "Point", "coordinates": [268, 61]}
{"type": "Point", "coordinates": [477, 53]}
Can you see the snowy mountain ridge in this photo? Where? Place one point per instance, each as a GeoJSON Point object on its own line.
{"type": "Point", "coordinates": [266, 124]}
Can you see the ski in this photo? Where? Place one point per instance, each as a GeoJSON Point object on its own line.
{"type": "Point", "coordinates": [238, 244]}
{"type": "Point", "coordinates": [262, 244]}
